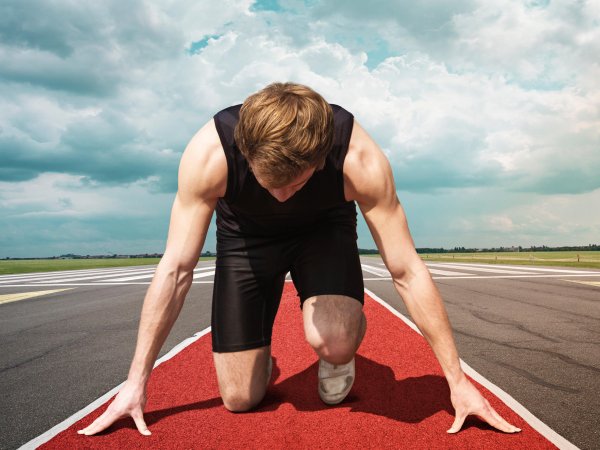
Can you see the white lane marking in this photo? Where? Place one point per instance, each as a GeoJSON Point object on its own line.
{"type": "Point", "coordinates": [71, 272]}
{"type": "Point", "coordinates": [50, 275]}
{"type": "Point", "coordinates": [204, 274]}
{"type": "Point", "coordinates": [375, 270]}
{"type": "Point", "coordinates": [484, 277]}
{"type": "Point", "coordinates": [473, 277]}
{"type": "Point", "coordinates": [447, 272]}
{"type": "Point", "coordinates": [138, 277]}
{"type": "Point", "coordinates": [151, 275]}
{"type": "Point", "coordinates": [481, 269]}
{"type": "Point", "coordinates": [147, 272]}
{"type": "Point", "coordinates": [45, 437]}
{"type": "Point", "coordinates": [534, 269]}
{"type": "Point", "coordinates": [513, 404]}
{"type": "Point", "coordinates": [84, 272]}
{"type": "Point", "coordinates": [97, 283]}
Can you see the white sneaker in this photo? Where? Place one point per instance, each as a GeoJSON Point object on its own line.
{"type": "Point", "coordinates": [335, 381]}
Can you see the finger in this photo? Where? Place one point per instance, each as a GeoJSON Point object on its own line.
{"type": "Point", "coordinates": [511, 428]}
{"type": "Point", "coordinates": [91, 425]}
{"type": "Point", "coordinates": [458, 422]}
{"type": "Point", "coordinates": [496, 420]}
{"type": "Point", "coordinates": [100, 424]}
{"type": "Point", "coordinates": [138, 418]}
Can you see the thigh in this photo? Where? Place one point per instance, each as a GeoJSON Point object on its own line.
{"type": "Point", "coordinates": [328, 263]}
{"type": "Point", "coordinates": [246, 294]}
{"type": "Point", "coordinates": [243, 374]}
{"type": "Point", "coordinates": [331, 319]}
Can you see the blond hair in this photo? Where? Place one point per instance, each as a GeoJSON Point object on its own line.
{"type": "Point", "coordinates": [283, 130]}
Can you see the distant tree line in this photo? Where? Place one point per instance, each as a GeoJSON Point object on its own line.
{"type": "Point", "coordinates": [533, 248]}
{"type": "Point", "coordinates": [362, 251]}
{"type": "Point", "coordinates": [368, 251]}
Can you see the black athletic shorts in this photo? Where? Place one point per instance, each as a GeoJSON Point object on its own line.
{"type": "Point", "coordinates": [250, 275]}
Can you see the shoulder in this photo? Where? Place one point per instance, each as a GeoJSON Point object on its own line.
{"type": "Point", "coordinates": [368, 177]}
{"type": "Point", "coordinates": [203, 165]}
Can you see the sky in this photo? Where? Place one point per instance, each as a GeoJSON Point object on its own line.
{"type": "Point", "coordinates": [488, 111]}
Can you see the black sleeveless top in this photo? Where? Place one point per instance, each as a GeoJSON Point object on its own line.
{"type": "Point", "coordinates": [248, 209]}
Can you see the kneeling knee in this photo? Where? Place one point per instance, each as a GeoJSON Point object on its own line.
{"type": "Point", "coordinates": [336, 351]}
{"type": "Point", "coordinates": [236, 402]}
{"type": "Point", "coordinates": [337, 355]}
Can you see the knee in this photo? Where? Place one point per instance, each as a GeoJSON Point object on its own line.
{"type": "Point", "coordinates": [239, 401]}
{"type": "Point", "coordinates": [336, 347]}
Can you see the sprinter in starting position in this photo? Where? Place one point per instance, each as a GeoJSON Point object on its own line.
{"type": "Point", "coordinates": [284, 171]}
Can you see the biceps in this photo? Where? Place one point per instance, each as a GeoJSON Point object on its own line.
{"type": "Point", "coordinates": [187, 231]}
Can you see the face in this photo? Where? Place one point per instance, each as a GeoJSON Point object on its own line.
{"type": "Point", "coordinates": [285, 192]}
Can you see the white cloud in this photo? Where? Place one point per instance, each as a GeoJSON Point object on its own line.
{"type": "Point", "coordinates": [501, 94]}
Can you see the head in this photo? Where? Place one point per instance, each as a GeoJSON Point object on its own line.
{"type": "Point", "coordinates": [285, 132]}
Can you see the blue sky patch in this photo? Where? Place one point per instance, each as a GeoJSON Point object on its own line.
{"type": "Point", "coordinates": [266, 5]}
{"type": "Point", "coordinates": [197, 46]}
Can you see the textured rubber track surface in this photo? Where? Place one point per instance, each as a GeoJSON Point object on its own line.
{"type": "Point", "coordinates": [399, 400]}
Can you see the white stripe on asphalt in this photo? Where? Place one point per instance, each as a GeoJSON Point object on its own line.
{"type": "Point", "coordinates": [446, 272]}
{"type": "Point", "coordinates": [534, 269]}
{"type": "Point", "coordinates": [517, 407]}
{"type": "Point", "coordinates": [147, 272]}
{"type": "Point", "coordinates": [66, 273]}
{"type": "Point", "coordinates": [485, 277]}
{"type": "Point", "coordinates": [97, 283]}
{"type": "Point", "coordinates": [481, 269]}
{"type": "Point", "coordinates": [375, 270]}
{"type": "Point", "coordinates": [203, 275]}
{"type": "Point", "coordinates": [58, 272]}
{"type": "Point", "coordinates": [83, 272]}
{"type": "Point", "coordinates": [470, 277]}
{"type": "Point", "coordinates": [141, 277]}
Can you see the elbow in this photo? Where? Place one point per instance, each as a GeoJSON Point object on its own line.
{"type": "Point", "coordinates": [180, 274]}
{"type": "Point", "coordinates": [404, 274]}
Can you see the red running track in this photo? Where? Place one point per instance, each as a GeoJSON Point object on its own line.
{"type": "Point", "coordinates": [399, 399]}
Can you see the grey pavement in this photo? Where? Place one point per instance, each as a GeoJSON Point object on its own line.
{"type": "Point", "coordinates": [532, 331]}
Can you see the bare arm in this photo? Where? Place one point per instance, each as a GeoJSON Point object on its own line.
{"type": "Point", "coordinates": [370, 182]}
{"type": "Point", "coordinates": [199, 185]}
{"type": "Point", "coordinates": [190, 218]}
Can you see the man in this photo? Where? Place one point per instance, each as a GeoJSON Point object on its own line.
{"type": "Point", "coordinates": [283, 172]}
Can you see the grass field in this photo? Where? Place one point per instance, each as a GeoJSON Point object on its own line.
{"type": "Point", "coordinates": [47, 265]}
{"type": "Point", "coordinates": [562, 259]}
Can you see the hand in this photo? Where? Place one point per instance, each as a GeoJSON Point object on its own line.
{"type": "Point", "coordinates": [130, 401]}
{"type": "Point", "coordinates": [467, 400]}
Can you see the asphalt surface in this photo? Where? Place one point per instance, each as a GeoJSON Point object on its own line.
{"type": "Point", "coordinates": [534, 333]}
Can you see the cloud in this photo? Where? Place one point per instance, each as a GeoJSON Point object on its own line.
{"type": "Point", "coordinates": [57, 213]}
{"type": "Point", "coordinates": [461, 96]}
{"type": "Point", "coordinates": [486, 217]}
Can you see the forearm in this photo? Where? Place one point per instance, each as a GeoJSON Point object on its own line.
{"type": "Point", "coordinates": [426, 307]}
{"type": "Point", "coordinates": [162, 304]}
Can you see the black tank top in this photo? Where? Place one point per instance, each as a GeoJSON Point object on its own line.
{"type": "Point", "coordinates": [248, 209]}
